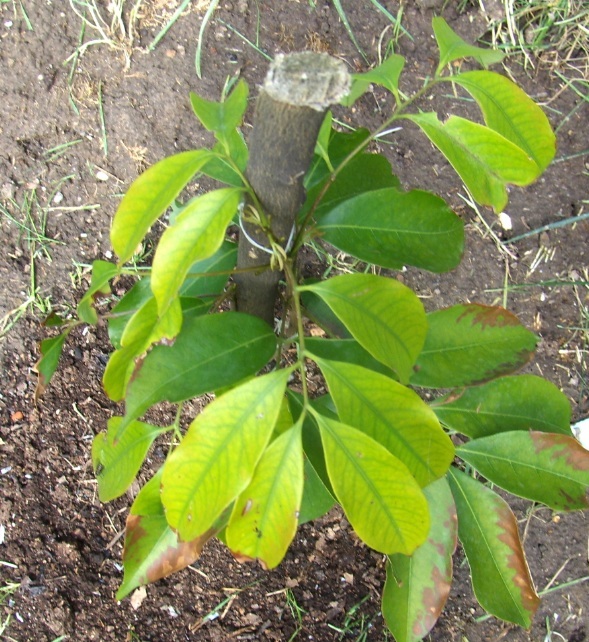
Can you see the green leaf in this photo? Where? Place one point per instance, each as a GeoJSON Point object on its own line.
{"type": "Point", "coordinates": [265, 515]}
{"type": "Point", "coordinates": [523, 402]}
{"type": "Point", "coordinates": [116, 462]}
{"type": "Point", "coordinates": [381, 499]}
{"type": "Point", "coordinates": [508, 110]}
{"type": "Point", "coordinates": [363, 173]}
{"type": "Point", "coordinates": [136, 297]}
{"type": "Point", "coordinates": [417, 587]}
{"type": "Point", "coordinates": [488, 531]}
{"type": "Point", "coordinates": [149, 196]}
{"type": "Point", "coordinates": [384, 316]}
{"type": "Point", "coordinates": [392, 415]}
{"type": "Point", "coordinates": [51, 350]}
{"type": "Point", "coordinates": [317, 500]}
{"type": "Point", "coordinates": [143, 329]}
{"type": "Point", "coordinates": [322, 144]}
{"type": "Point", "coordinates": [483, 158]}
{"type": "Point", "coordinates": [210, 352]}
{"type": "Point", "coordinates": [197, 234]}
{"type": "Point", "coordinates": [312, 445]}
{"type": "Point", "coordinates": [386, 75]}
{"type": "Point", "coordinates": [471, 344]}
{"type": "Point", "coordinates": [546, 468]}
{"type": "Point", "coordinates": [53, 320]}
{"type": "Point", "coordinates": [452, 47]}
{"type": "Point", "coordinates": [198, 283]}
{"type": "Point", "coordinates": [347, 350]}
{"type": "Point", "coordinates": [341, 144]}
{"type": "Point", "coordinates": [229, 160]}
{"type": "Point", "coordinates": [102, 273]}
{"type": "Point", "coordinates": [217, 458]}
{"type": "Point", "coordinates": [152, 549]}
{"type": "Point", "coordinates": [392, 228]}
{"type": "Point", "coordinates": [222, 117]}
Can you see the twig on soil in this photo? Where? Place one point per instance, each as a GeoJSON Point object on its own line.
{"type": "Point", "coordinates": [551, 226]}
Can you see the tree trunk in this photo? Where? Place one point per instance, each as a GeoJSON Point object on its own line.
{"type": "Point", "coordinates": [290, 109]}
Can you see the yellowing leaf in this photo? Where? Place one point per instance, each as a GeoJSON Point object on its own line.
{"type": "Point", "coordinates": [393, 415]}
{"type": "Point", "coordinates": [508, 110]}
{"type": "Point", "coordinates": [148, 198]}
{"type": "Point", "coordinates": [381, 499]}
{"type": "Point", "coordinates": [197, 234]}
{"type": "Point", "coordinates": [217, 458]}
{"type": "Point", "coordinates": [265, 515]}
{"type": "Point", "coordinates": [484, 159]}
{"type": "Point", "coordinates": [117, 461]}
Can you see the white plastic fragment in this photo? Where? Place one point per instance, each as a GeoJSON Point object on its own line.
{"type": "Point", "coordinates": [2, 533]}
{"type": "Point", "coordinates": [581, 432]}
{"type": "Point", "coordinates": [505, 221]}
{"type": "Point", "coordinates": [138, 596]}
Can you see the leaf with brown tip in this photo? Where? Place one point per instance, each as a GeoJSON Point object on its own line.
{"type": "Point", "coordinates": [417, 587]}
{"type": "Point", "coordinates": [152, 549]}
{"type": "Point", "coordinates": [488, 531]}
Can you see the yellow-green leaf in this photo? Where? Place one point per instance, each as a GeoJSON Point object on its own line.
{"type": "Point", "coordinates": [149, 196]}
{"type": "Point", "coordinates": [380, 497]}
{"type": "Point", "coordinates": [217, 458]}
{"type": "Point", "coordinates": [197, 234]}
{"type": "Point", "coordinates": [265, 515]}
{"type": "Point", "coordinates": [116, 462]}
{"type": "Point", "coordinates": [512, 113]}
{"type": "Point", "coordinates": [484, 159]}
{"type": "Point", "coordinates": [393, 415]}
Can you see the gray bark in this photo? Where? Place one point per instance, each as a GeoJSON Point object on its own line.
{"type": "Point", "coordinates": [290, 109]}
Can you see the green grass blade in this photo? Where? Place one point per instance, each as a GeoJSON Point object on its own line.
{"type": "Point", "coordinates": [201, 32]}
{"type": "Point", "coordinates": [342, 14]}
{"type": "Point", "coordinates": [169, 24]}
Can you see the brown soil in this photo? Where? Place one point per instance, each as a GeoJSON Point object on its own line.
{"type": "Point", "coordinates": [59, 542]}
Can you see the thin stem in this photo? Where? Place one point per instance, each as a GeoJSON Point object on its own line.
{"type": "Point", "coordinates": [176, 425]}
{"type": "Point", "coordinates": [292, 285]}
